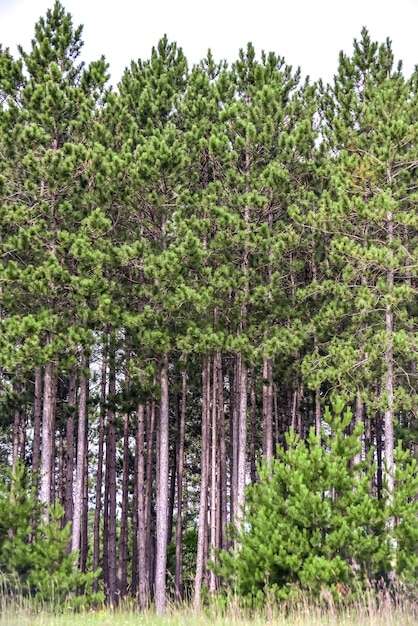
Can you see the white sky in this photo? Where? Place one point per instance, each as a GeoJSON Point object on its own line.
{"type": "Point", "coordinates": [309, 33]}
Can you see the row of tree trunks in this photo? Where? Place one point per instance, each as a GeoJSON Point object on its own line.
{"type": "Point", "coordinates": [229, 394]}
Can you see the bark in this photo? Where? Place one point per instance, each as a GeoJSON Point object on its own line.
{"type": "Point", "coordinates": [60, 477]}
{"type": "Point", "coordinates": [222, 455]}
{"type": "Point", "coordinates": [267, 409]}
{"type": "Point", "coordinates": [253, 431]}
{"type": "Point", "coordinates": [48, 435]}
{"type": "Point", "coordinates": [69, 451]}
{"type": "Point", "coordinates": [99, 476]}
{"type": "Point", "coordinates": [180, 471]}
{"type": "Point", "coordinates": [204, 484]}
{"type": "Point", "coordinates": [379, 455]}
{"type": "Point", "coordinates": [123, 535]}
{"type": "Point", "coordinates": [389, 414]}
{"type": "Point", "coordinates": [134, 553]}
{"type": "Point", "coordinates": [17, 419]}
{"type": "Point", "coordinates": [171, 493]}
{"type": "Point", "coordinates": [143, 561]}
{"type": "Point", "coordinates": [233, 439]}
{"type": "Point", "coordinates": [85, 513]}
{"type": "Point", "coordinates": [242, 438]}
{"type": "Point", "coordinates": [151, 454]}
{"type": "Point", "coordinates": [162, 494]}
{"type": "Point", "coordinates": [213, 476]}
{"type": "Point", "coordinates": [81, 453]}
{"type": "Point", "coordinates": [318, 420]}
{"type": "Point", "coordinates": [37, 414]}
{"type": "Point", "coordinates": [110, 539]}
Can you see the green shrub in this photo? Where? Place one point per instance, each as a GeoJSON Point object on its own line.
{"type": "Point", "coordinates": [34, 552]}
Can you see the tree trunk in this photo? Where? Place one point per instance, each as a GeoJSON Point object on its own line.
{"type": "Point", "coordinates": [162, 494]}
{"type": "Point", "coordinates": [17, 419]}
{"type": "Point", "coordinates": [204, 484]}
{"type": "Point", "coordinates": [81, 451]}
{"type": "Point", "coordinates": [253, 427]}
{"type": "Point", "coordinates": [123, 535]}
{"type": "Point", "coordinates": [99, 476]}
{"type": "Point", "coordinates": [69, 451]}
{"type": "Point", "coordinates": [389, 414]}
{"type": "Point", "coordinates": [233, 438]}
{"type": "Point", "coordinates": [180, 469]}
{"type": "Point", "coordinates": [151, 454]}
{"type": "Point", "coordinates": [267, 409]}
{"type": "Point", "coordinates": [242, 438]}
{"type": "Point", "coordinates": [85, 512]}
{"type": "Point", "coordinates": [222, 454]}
{"type": "Point", "coordinates": [213, 475]}
{"type": "Point", "coordinates": [48, 435]}
{"type": "Point", "coordinates": [37, 414]}
{"type": "Point", "coordinates": [143, 561]}
{"type": "Point", "coordinates": [111, 484]}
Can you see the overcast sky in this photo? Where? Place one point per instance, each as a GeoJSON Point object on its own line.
{"type": "Point", "coordinates": [309, 33]}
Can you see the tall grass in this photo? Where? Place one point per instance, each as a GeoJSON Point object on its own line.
{"type": "Point", "coordinates": [398, 609]}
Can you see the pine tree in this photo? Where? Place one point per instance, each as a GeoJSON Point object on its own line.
{"type": "Point", "coordinates": [51, 224]}
{"type": "Point", "coordinates": [325, 528]}
{"type": "Point", "coordinates": [364, 326]}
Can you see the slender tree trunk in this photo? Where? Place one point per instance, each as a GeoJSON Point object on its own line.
{"type": "Point", "coordinates": [213, 475]}
{"type": "Point", "coordinates": [204, 484]}
{"type": "Point", "coordinates": [151, 459]}
{"type": "Point", "coordinates": [37, 414]}
{"type": "Point", "coordinates": [124, 517]}
{"type": "Point", "coordinates": [222, 455]}
{"type": "Point", "coordinates": [99, 476]}
{"type": "Point", "coordinates": [171, 493]}
{"type": "Point", "coordinates": [17, 419]}
{"type": "Point", "coordinates": [69, 450]}
{"type": "Point", "coordinates": [242, 438]}
{"type": "Point", "coordinates": [60, 477]}
{"type": "Point", "coordinates": [111, 483]}
{"type": "Point", "coordinates": [81, 452]}
{"type": "Point", "coordinates": [134, 553]}
{"type": "Point", "coordinates": [379, 455]}
{"type": "Point", "coordinates": [85, 510]}
{"type": "Point", "coordinates": [268, 409]}
{"type": "Point", "coordinates": [389, 414]}
{"type": "Point", "coordinates": [143, 560]}
{"type": "Point", "coordinates": [233, 438]}
{"type": "Point", "coordinates": [162, 494]}
{"type": "Point", "coordinates": [253, 429]}
{"type": "Point", "coordinates": [318, 419]}
{"type": "Point", "coordinates": [123, 535]}
{"type": "Point", "coordinates": [48, 434]}
{"type": "Point", "coordinates": [180, 470]}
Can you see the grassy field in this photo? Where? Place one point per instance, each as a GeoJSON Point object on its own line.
{"type": "Point", "coordinates": [364, 614]}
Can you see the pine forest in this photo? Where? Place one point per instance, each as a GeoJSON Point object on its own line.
{"type": "Point", "coordinates": [208, 323]}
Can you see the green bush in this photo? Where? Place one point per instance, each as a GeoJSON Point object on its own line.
{"type": "Point", "coordinates": [34, 554]}
{"type": "Point", "coordinates": [312, 521]}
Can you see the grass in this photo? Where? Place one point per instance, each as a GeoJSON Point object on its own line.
{"type": "Point", "coordinates": [369, 613]}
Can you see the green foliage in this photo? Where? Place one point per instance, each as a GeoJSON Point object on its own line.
{"type": "Point", "coordinates": [313, 522]}
{"type": "Point", "coordinates": [34, 552]}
